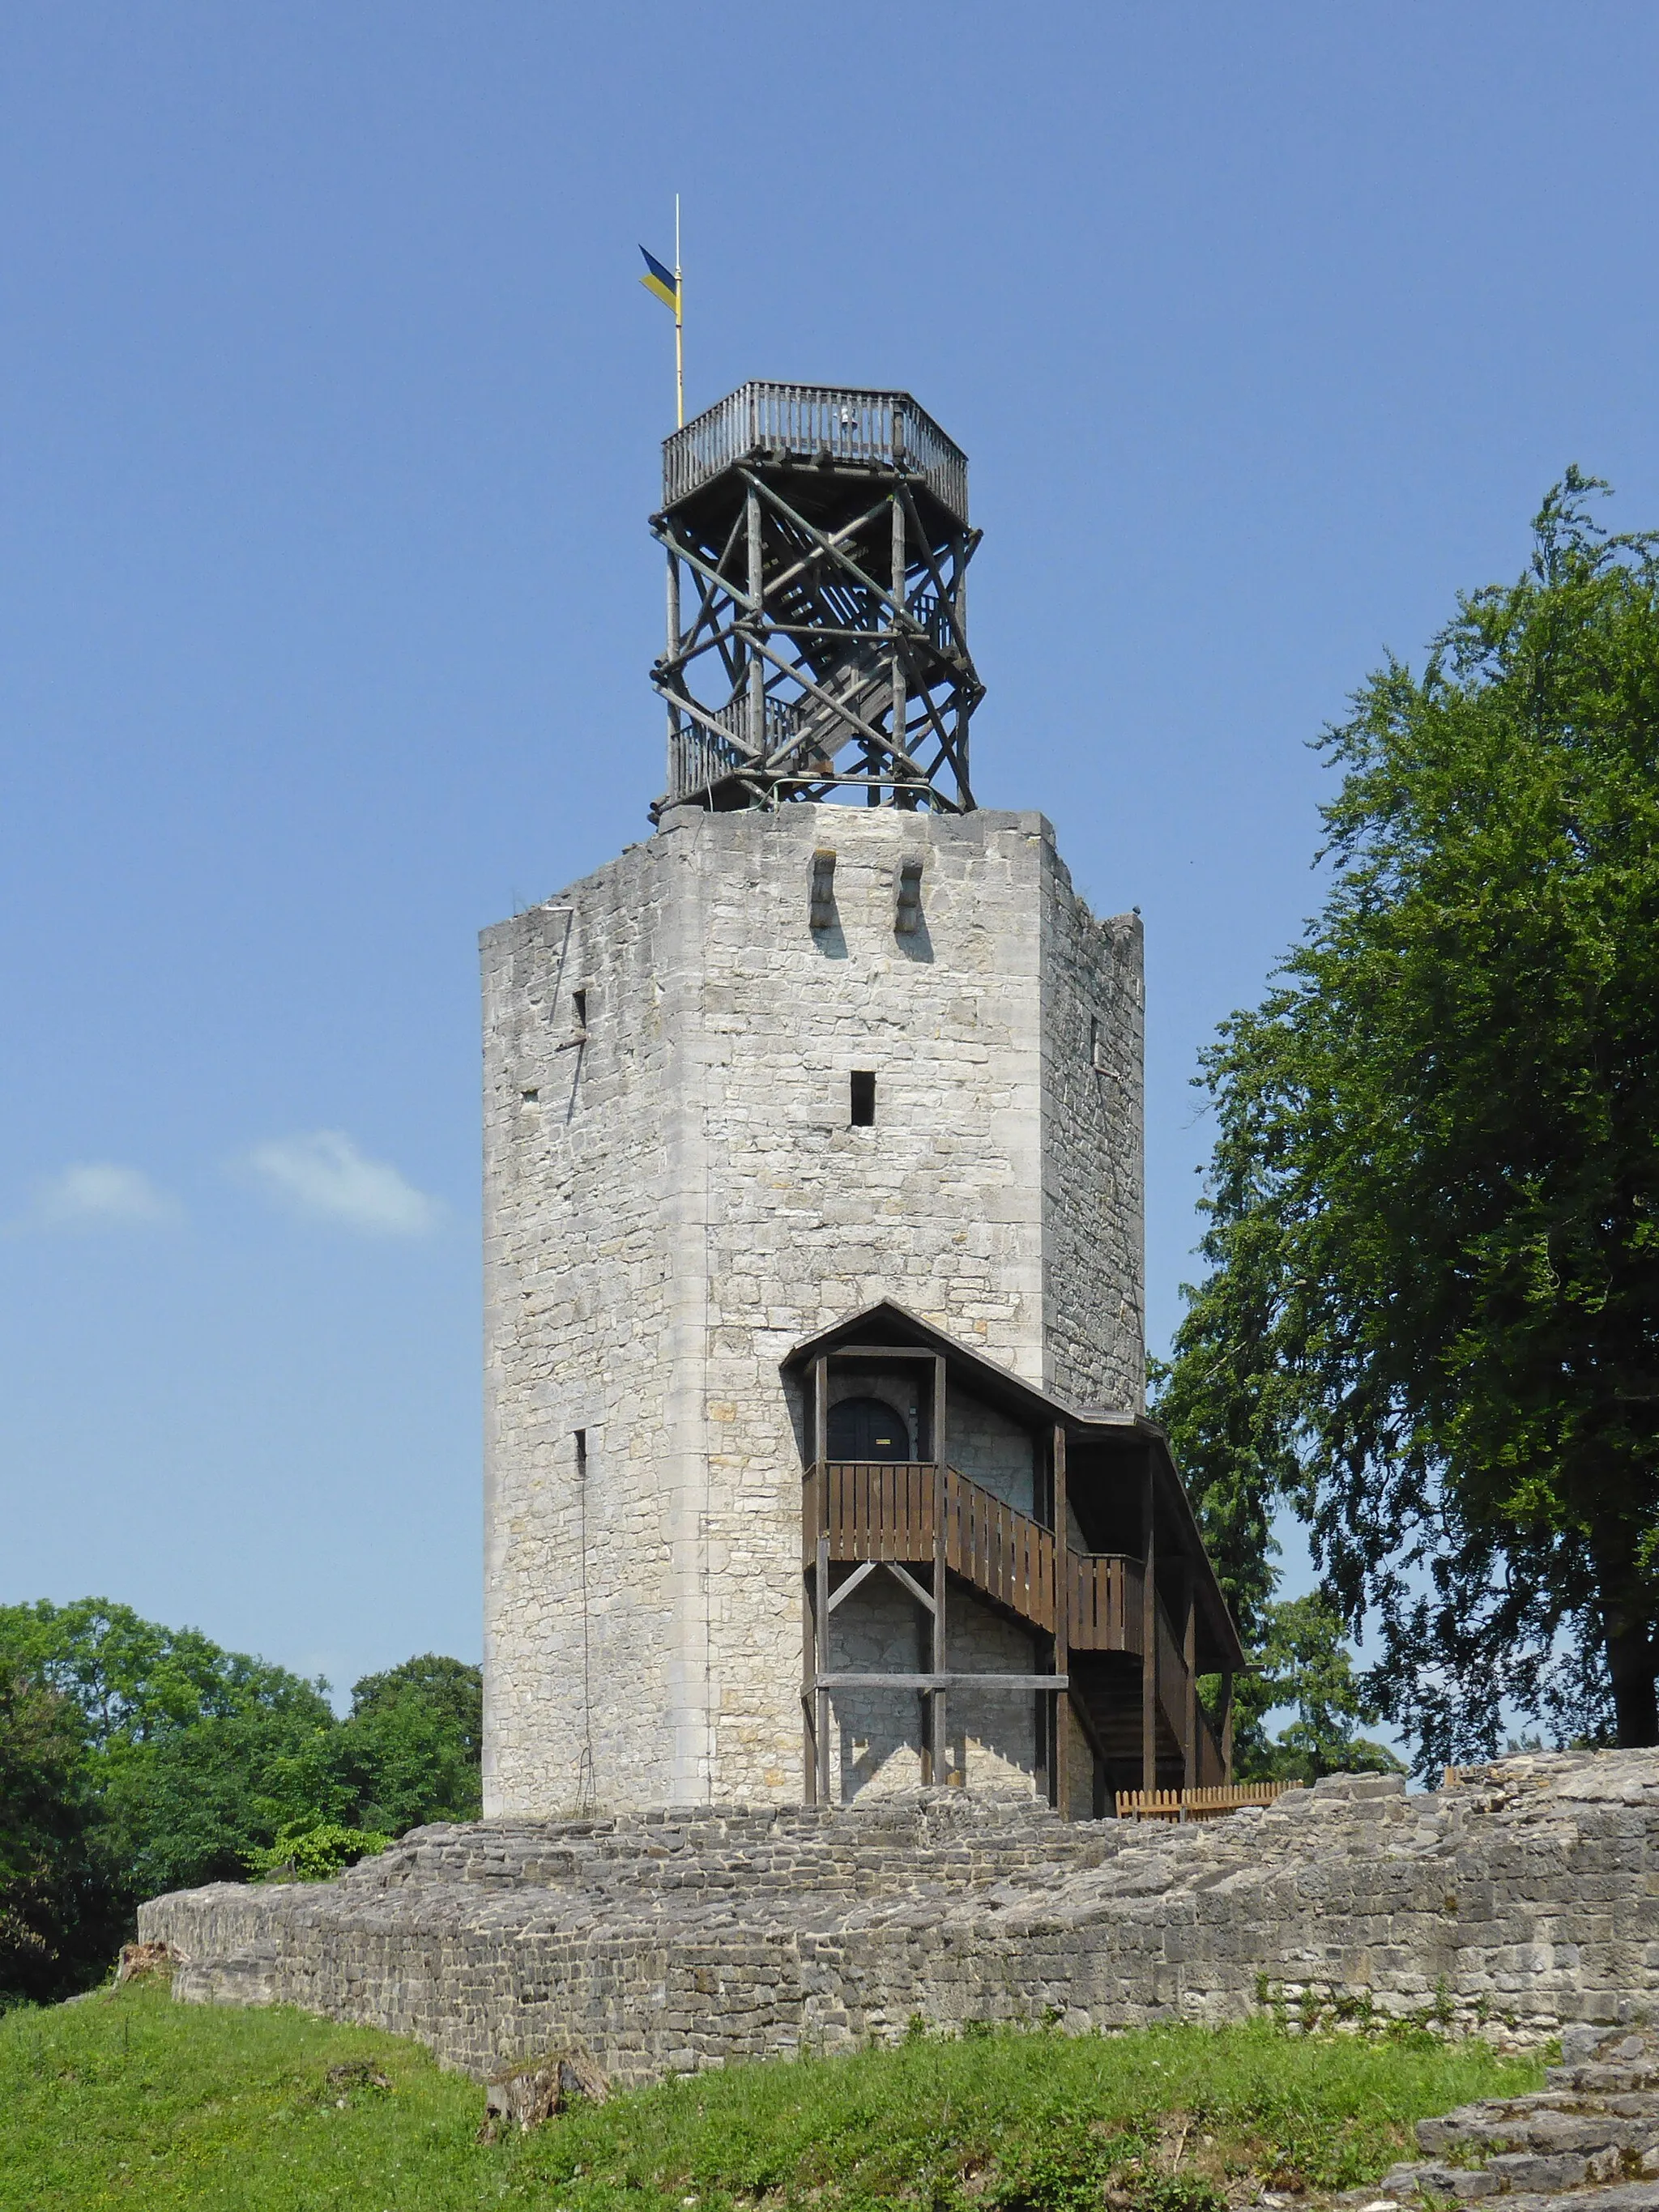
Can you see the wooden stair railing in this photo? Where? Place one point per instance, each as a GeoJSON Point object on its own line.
{"type": "Point", "coordinates": [1000, 1550]}
{"type": "Point", "coordinates": [1104, 1601]}
{"type": "Point", "coordinates": [886, 1510]}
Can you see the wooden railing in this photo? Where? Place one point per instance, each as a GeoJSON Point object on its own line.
{"type": "Point", "coordinates": [1208, 1802]}
{"type": "Point", "coordinates": [809, 421]}
{"type": "Point", "coordinates": [1104, 1614]}
{"type": "Point", "coordinates": [886, 1509]}
{"type": "Point", "coordinates": [889, 1510]}
{"type": "Point", "coordinates": [876, 1509]}
{"type": "Point", "coordinates": [1000, 1550]}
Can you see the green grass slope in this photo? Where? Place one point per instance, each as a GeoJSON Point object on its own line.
{"type": "Point", "coordinates": [128, 2100]}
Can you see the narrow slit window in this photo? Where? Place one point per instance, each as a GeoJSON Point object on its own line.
{"type": "Point", "coordinates": [581, 1455]}
{"type": "Point", "coordinates": [864, 1098]}
{"type": "Point", "coordinates": [907, 919]}
{"type": "Point", "coordinates": [579, 1002]}
{"type": "Point", "coordinates": [822, 898]}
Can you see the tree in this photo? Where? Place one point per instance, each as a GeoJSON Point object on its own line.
{"type": "Point", "coordinates": [136, 1682]}
{"type": "Point", "coordinates": [60, 1914]}
{"type": "Point", "coordinates": [1305, 1665]}
{"type": "Point", "coordinates": [1431, 1315]}
{"type": "Point", "coordinates": [138, 1758]}
{"type": "Point", "coordinates": [446, 1687]}
{"type": "Point", "coordinates": [199, 1804]}
{"type": "Point", "coordinates": [409, 1752]}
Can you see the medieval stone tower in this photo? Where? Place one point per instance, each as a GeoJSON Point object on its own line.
{"type": "Point", "coordinates": [813, 1161]}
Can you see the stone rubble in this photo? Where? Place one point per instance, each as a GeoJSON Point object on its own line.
{"type": "Point", "coordinates": [1522, 1900]}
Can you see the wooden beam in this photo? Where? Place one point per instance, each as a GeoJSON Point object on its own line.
{"type": "Point", "coordinates": [910, 1582]}
{"type": "Point", "coordinates": [860, 1353]}
{"type": "Point", "coordinates": [859, 1575]}
{"type": "Point", "coordinates": [821, 1609]}
{"type": "Point", "coordinates": [757, 599]}
{"type": "Point", "coordinates": [1227, 1725]}
{"type": "Point", "coordinates": [1061, 1793]}
{"type": "Point", "coordinates": [694, 560]}
{"type": "Point", "coordinates": [818, 554]}
{"type": "Point", "coordinates": [1149, 1628]}
{"type": "Point", "coordinates": [896, 720]}
{"type": "Point", "coordinates": [946, 594]}
{"type": "Point", "coordinates": [1189, 1687]}
{"type": "Point", "coordinates": [828, 546]}
{"type": "Point", "coordinates": [939, 1683]}
{"type": "Point", "coordinates": [844, 713]}
{"type": "Point", "coordinates": [939, 1714]}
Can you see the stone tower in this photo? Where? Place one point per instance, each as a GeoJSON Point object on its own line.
{"type": "Point", "coordinates": [788, 1063]}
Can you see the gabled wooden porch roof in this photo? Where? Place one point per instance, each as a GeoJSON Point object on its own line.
{"type": "Point", "coordinates": [891, 1325]}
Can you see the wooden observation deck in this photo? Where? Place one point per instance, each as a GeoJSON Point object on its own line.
{"type": "Point", "coordinates": [817, 542]}
{"type": "Point", "coordinates": [820, 426]}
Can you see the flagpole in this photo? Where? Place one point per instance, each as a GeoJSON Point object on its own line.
{"type": "Point", "coordinates": [679, 326]}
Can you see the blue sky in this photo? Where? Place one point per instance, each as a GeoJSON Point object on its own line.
{"type": "Point", "coordinates": [329, 412]}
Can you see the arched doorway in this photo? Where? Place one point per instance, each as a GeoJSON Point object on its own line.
{"type": "Point", "coordinates": [866, 1429]}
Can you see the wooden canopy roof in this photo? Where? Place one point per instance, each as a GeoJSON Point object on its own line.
{"type": "Point", "coordinates": [890, 1326]}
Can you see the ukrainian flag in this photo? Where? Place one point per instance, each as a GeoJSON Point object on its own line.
{"type": "Point", "coordinates": [663, 281]}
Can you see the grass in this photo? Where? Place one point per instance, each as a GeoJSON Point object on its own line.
{"type": "Point", "coordinates": [128, 2100]}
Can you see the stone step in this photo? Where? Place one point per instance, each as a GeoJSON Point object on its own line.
{"type": "Point", "coordinates": [1400, 2184]}
{"type": "Point", "coordinates": [1539, 2128]}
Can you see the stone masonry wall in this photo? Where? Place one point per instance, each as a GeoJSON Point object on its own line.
{"type": "Point", "coordinates": [1524, 1898]}
{"type": "Point", "coordinates": [675, 1197]}
{"type": "Point", "coordinates": [1093, 1150]}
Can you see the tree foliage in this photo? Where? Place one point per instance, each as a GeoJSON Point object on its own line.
{"type": "Point", "coordinates": [59, 1918]}
{"type": "Point", "coordinates": [136, 1759]}
{"type": "Point", "coordinates": [1431, 1315]}
{"type": "Point", "coordinates": [1304, 1666]}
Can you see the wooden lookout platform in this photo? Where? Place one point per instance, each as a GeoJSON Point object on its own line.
{"type": "Point", "coordinates": [1078, 1532]}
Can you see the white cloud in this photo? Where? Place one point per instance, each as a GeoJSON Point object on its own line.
{"type": "Point", "coordinates": [325, 1176]}
{"type": "Point", "coordinates": [102, 1194]}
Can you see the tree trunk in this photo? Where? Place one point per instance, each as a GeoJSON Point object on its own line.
{"type": "Point", "coordinates": [1627, 1628]}
{"type": "Point", "coordinates": [1636, 1704]}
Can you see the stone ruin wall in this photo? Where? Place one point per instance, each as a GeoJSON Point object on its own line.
{"type": "Point", "coordinates": [1524, 1898]}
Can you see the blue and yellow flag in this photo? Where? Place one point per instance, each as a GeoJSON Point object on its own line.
{"type": "Point", "coordinates": [663, 281]}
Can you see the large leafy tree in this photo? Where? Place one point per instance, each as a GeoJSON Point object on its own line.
{"type": "Point", "coordinates": [1431, 1315]}
{"type": "Point", "coordinates": [136, 1759]}
{"type": "Point", "coordinates": [60, 1915]}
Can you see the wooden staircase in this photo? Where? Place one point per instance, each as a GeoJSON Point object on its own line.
{"type": "Point", "coordinates": [1094, 1606]}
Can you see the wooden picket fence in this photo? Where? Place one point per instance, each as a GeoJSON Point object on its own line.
{"type": "Point", "coordinates": [1210, 1803]}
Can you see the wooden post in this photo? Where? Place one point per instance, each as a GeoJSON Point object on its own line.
{"type": "Point", "coordinates": [1149, 1628]}
{"type": "Point", "coordinates": [757, 666]}
{"type": "Point", "coordinates": [1189, 1687]}
{"type": "Point", "coordinates": [939, 1763]}
{"type": "Point", "coordinates": [821, 1575]}
{"type": "Point", "coordinates": [672, 786]}
{"type": "Point", "coordinates": [899, 569]}
{"type": "Point", "coordinates": [1060, 1736]}
{"type": "Point", "coordinates": [1227, 1725]}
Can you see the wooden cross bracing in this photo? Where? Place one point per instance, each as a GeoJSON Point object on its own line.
{"type": "Point", "coordinates": [817, 639]}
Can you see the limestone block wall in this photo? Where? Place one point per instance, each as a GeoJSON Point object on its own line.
{"type": "Point", "coordinates": [1524, 1898]}
{"type": "Point", "coordinates": [992, 1740]}
{"type": "Point", "coordinates": [583, 1311]}
{"type": "Point", "coordinates": [675, 1196]}
{"type": "Point", "coordinates": [1093, 1151]}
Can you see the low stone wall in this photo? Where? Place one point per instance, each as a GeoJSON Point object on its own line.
{"type": "Point", "coordinates": [1522, 1898]}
